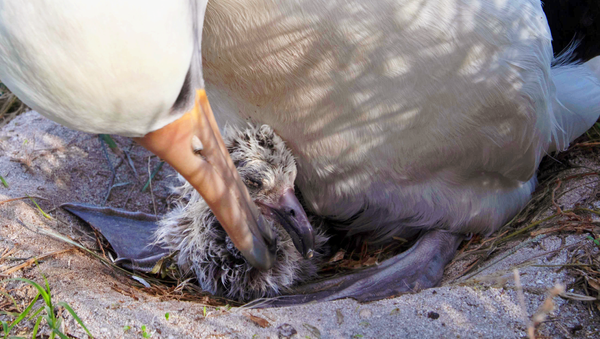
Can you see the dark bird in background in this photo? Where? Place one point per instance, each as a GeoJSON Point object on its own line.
{"type": "Point", "coordinates": [574, 21]}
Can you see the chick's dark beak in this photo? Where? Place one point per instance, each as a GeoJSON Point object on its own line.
{"type": "Point", "coordinates": [290, 214]}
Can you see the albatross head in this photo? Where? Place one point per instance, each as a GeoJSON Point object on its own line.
{"type": "Point", "coordinates": [132, 68]}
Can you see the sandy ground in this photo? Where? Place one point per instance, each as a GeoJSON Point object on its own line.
{"type": "Point", "coordinates": [41, 158]}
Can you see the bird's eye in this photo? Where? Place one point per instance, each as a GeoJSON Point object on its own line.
{"type": "Point", "coordinates": [254, 183]}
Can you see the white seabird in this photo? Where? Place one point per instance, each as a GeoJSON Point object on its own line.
{"type": "Point", "coordinates": [406, 116]}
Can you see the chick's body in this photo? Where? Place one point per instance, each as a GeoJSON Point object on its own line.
{"type": "Point", "coordinates": [267, 167]}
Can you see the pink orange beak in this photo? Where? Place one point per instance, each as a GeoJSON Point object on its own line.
{"type": "Point", "coordinates": [193, 146]}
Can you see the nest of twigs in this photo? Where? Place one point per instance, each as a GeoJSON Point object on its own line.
{"type": "Point", "coordinates": [543, 216]}
{"type": "Point", "coordinates": [10, 105]}
{"type": "Point", "coordinates": [531, 224]}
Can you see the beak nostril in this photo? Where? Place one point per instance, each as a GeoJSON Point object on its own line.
{"type": "Point", "coordinates": [292, 212]}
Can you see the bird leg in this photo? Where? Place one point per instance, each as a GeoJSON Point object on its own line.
{"type": "Point", "coordinates": [419, 267]}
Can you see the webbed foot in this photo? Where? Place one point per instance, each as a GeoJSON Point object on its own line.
{"type": "Point", "coordinates": [130, 234]}
{"type": "Point", "coordinates": [420, 267]}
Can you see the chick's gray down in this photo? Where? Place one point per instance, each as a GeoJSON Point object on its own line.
{"type": "Point", "coordinates": [267, 167]}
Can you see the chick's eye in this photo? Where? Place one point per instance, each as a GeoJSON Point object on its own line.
{"type": "Point", "coordinates": [254, 183]}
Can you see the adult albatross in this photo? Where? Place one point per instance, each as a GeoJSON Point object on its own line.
{"type": "Point", "coordinates": [406, 116]}
{"type": "Point", "coordinates": [132, 68]}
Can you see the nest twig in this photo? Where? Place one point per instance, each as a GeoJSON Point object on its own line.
{"type": "Point", "coordinates": [10, 105]}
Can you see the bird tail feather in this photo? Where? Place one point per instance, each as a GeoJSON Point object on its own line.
{"type": "Point", "coordinates": [577, 102]}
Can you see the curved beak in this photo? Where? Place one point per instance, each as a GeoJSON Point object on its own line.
{"type": "Point", "coordinates": [290, 214]}
{"type": "Point", "coordinates": [193, 146]}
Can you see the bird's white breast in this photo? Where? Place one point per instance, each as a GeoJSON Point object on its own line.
{"type": "Point", "coordinates": [430, 109]}
{"type": "Point", "coordinates": [98, 66]}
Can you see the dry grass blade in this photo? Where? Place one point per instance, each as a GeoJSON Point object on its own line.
{"type": "Point", "coordinates": [542, 313]}
{"type": "Point", "coordinates": [163, 289]}
{"type": "Point", "coordinates": [578, 297]}
{"type": "Point", "coordinates": [10, 105]}
{"type": "Point", "coordinates": [33, 260]}
{"type": "Point", "coordinates": [339, 255]}
{"type": "Point", "coordinates": [21, 198]}
{"type": "Point", "coordinates": [152, 175]}
{"type": "Point", "coordinates": [132, 165]}
{"type": "Point", "coordinates": [520, 293]}
{"type": "Point", "coordinates": [7, 251]}
{"type": "Point", "coordinates": [258, 320]}
{"type": "Point", "coordinates": [113, 175]}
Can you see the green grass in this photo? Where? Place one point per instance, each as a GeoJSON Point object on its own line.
{"type": "Point", "coordinates": [145, 333]}
{"type": "Point", "coordinates": [39, 208]}
{"type": "Point", "coordinates": [47, 312]}
{"type": "Point", "coordinates": [4, 183]}
{"type": "Point", "coordinates": [596, 241]}
{"type": "Point", "coordinates": [154, 172]}
{"type": "Point", "coordinates": [109, 141]}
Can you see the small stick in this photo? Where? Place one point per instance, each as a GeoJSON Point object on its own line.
{"type": "Point", "coordinates": [7, 252]}
{"type": "Point", "coordinates": [545, 308]}
{"type": "Point", "coordinates": [21, 198]}
{"type": "Point", "coordinates": [33, 260]}
{"type": "Point", "coordinates": [558, 209]}
{"type": "Point", "coordinates": [521, 297]}
{"type": "Point", "coordinates": [150, 176]}
{"type": "Point", "coordinates": [508, 253]}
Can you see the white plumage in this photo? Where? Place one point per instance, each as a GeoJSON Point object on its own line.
{"type": "Point", "coordinates": [101, 67]}
{"type": "Point", "coordinates": [410, 113]}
